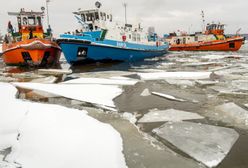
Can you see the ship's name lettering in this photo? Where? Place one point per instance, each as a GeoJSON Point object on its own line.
{"type": "Point", "coordinates": [120, 44]}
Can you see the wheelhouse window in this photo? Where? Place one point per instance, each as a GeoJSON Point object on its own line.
{"type": "Point", "coordinates": [39, 21]}
{"type": "Point", "coordinates": [83, 17]}
{"type": "Point", "coordinates": [97, 15]}
{"type": "Point", "coordinates": [138, 37]}
{"type": "Point", "coordinates": [110, 18]}
{"type": "Point", "coordinates": [89, 16]}
{"type": "Point", "coordinates": [24, 21]}
{"type": "Point", "coordinates": [134, 37]}
{"type": "Point", "coordinates": [19, 21]}
{"type": "Point", "coordinates": [104, 16]}
{"type": "Point", "coordinates": [196, 38]}
{"type": "Point", "coordinates": [31, 21]}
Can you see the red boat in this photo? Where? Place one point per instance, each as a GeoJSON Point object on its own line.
{"type": "Point", "coordinates": [30, 45]}
{"type": "Point", "coordinates": [213, 39]}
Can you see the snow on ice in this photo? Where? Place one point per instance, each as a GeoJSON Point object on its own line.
{"type": "Point", "coordinates": [52, 136]}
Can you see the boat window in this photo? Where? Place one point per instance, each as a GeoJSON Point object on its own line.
{"type": "Point", "coordinates": [110, 18]}
{"type": "Point", "coordinates": [138, 37]}
{"type": "Point", "coordinates": [83, 17]}
{"type": "Point", "coordinates": [101, 14]}
{"type": "Point", "coordinates": [178, 41]}
{"type": "Point", "coordinates": [19, 22]}
{"type": "Point", "coordinates": [24, 21]}
{"type": "Point", "coordinates": [196, 38]}
{"type": "Point", "coordinates": [39, 21]}
{"type": "Point", "coordinates": [97, 15]}
{"type": "Point", "coordinates": [130, 36]}
{"type": "Point", "coordinates": [31, 21]}
{"type": "Point", "coordinates": [104, 16]}
{"type": "Point", "coordinates": [184, 40]}
{"type": "Point", "coordinates": [89, 16]}
{"type": "Point", "coordinates": [134, 36]}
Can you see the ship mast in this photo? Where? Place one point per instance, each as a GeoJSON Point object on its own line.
{"type": "Point", "coordinates": [203, 20]}
{"type": "Point", "coordinates": [125, 6]}
{"type": "Point", "coordinates": [47, 1]}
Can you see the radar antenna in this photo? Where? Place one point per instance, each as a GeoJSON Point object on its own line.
{"type": "Point", "coordinates": [98, 4]}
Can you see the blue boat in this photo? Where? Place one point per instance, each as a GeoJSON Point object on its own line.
{"type": "Point", "coordinates": [100, 38]}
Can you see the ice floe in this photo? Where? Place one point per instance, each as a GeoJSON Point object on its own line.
{"type": "Point", "coordinates": [52, 136]}
{"type": "Point", "coordinates": [27, 75]}
{"type": "Point", "coordinates": [54, 71]}
{"type": "Point", "coordinates": [7, 79]}
{"type": "Point", "coordinates": [145, 92]}
{"type": "Point", "coordinates": [91, 93]}
{"type": "Point", "coordinates": [246, 105]}
{"type": "Point", "coordinates": [102, 81]}
{"type": "Point", "coordinates": [169, 97]}
{"type": "Point", "coordinates": [233, 113]}
{"type": "Point", "coordinates": [205, 143]}
{"type": "Point", "coordinates": [240, 84]}
{"type": "Point", "coordinates": [180, 82]}
{"type": "Point", "coordinates": [174, 75]}
{"type": "Point", "coordinates": [206, 82]}
{"type": "Point", "coordinates": [195, 64]}
{"type": "Point", "coordinates": [168, 115]}
{"type": "Point", "coordinates": [49, 79]}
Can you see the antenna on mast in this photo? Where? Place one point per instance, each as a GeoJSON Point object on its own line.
{"type": "Point", "coordinates": [203, 20]}
{"type": "Point", "coordinates": [125, 6]}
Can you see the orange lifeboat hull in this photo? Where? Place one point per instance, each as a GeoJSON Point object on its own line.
{"type": "Point", "coordinates": [34, 52]}
{"type": "Point", "coordinates": [230, 44]}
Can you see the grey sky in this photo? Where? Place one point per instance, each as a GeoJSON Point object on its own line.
{"type": "Point", "coordinates": [165, 15]}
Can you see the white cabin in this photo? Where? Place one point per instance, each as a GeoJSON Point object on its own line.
{"type": "Point", "coordinates": [96, 19]}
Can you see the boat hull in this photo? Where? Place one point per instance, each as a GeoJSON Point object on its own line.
{"type": "Point", "coordinates": [93, 51]}
{"type": "Point", "coordinates": [231, 44]}
{"type": "Point", "coordinates": [33, 52]}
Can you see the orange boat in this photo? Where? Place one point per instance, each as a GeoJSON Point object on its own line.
{"type": "Point", "coordinates": [30, 45]}
{"type": "Point", "coordinates": [213, 39]}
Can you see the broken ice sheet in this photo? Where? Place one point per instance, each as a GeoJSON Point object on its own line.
{"type": "Point", "coordinates": [206, 82]}
{"type": "Point", "coordinates": [240, 84]}
{"type": "Point", "coordinates": [246, 105]}
{"type": "Point", "coordinates": [169, 97]}
{"type": "Point", "coordinates": [168, 115]}
{"type": "Point", "coordinates": [233, 114]}
{"type": "Point", "coordinates": [91, 93]}
{"type": "Point", "coordinates": [180, 82]}
{"type": "Point", "coordinates": [205, 143]}
{"type": "Point", "coordinates": [54, 71]}
{"type": "Point", "coordinates": [103, 81]}
{"type": "Point", "coordinates": [195, 64]}
{"type": "Point", "coordinates": [49, 79]}
{"type": "Point", "coordinates": [174, 75]}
